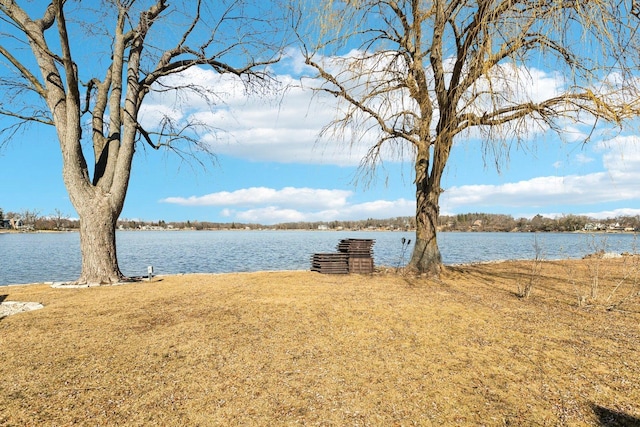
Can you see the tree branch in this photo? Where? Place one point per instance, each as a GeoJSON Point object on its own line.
{"type": "Point", "coordinates": [345, 94]}
{"type": "Point", "coordinates": [24, 71]}
{"type": "Point", "coordinates": [25, 118]}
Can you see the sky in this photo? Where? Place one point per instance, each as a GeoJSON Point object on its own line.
{"type": "Point", "coordinates": [271, 167]}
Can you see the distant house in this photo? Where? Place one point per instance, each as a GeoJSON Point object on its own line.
{"type": "Point", "coordinates": [594, 227]}
{"type": "Point", "coordinates": [14, 223]}
{"type": "Point", "coordinates": [616, 227]}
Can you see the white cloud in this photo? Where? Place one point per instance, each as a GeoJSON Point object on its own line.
{"type": "Point", "coordinates": [271, 215]}
{"type": "Point", "coordinates": [535, 192]}
{"type": "Point", "coordinates": [281, 127]}
{"type": "Point", "coordinates": [618, 182]}
{"type": "Point", "coordinates": [584, 159]}
{"type": "Point", "coordinates": [572, 133]}
{"type": "Point", "coordinates": [613, 213]}
{"type": "Point", "coordinates": [270, 206]}
{"type": "Point", "coordinates": [308, 198]}
{"type": "Point", "coordinates": [284, 125]}
{"type": "Point", "coordinates": [151, 115]}
{"type": "Point", "coordinates": [622, 158]}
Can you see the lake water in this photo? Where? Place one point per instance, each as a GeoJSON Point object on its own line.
{"type": "Point", "coordinates": [40, 257]}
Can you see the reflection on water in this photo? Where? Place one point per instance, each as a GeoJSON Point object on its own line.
{"type": "Point", "coordinates": [37, 257]}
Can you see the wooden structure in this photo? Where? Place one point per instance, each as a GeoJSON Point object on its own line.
{"type": "Point", "coordinates": [353, 256]}
{"type": "Point", "coordinates": [330, 263]}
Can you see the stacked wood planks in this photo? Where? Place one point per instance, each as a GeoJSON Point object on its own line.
{"type": "Point", "coordinates": [330, 263]}
{"type": "Point", "coordinates": [353, 256]}
{"type": "Point", "coordinates": [360, 254]}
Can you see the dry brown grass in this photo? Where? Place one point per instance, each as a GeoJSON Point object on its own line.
{"type": "Point", "coordinates": [289, 348]}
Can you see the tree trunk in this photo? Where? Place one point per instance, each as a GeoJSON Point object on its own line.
{"type": "Point", "coordinates": [426, 258]}
{"type": "Point", "coordinates": [98, 246]}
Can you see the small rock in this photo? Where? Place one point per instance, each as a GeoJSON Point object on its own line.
{"type": "Point", "coordinates": [7, 308]}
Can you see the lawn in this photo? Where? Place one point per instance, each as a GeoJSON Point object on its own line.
{"type": "Point", "coordinates": [303, 348]}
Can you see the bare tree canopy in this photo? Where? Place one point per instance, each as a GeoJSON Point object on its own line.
{"type": "Point", "coordinates": [86, 70]}
{"type": "Point", "coordinates": [419, 74]}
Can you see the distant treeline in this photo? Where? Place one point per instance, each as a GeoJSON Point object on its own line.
{"type": "Point", "coordinates": [498, 222]}
{"type": "Point", "coordinates": [32, 220]}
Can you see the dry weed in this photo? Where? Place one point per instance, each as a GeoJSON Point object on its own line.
{"type": "Point", "coordinates": [289, 348]}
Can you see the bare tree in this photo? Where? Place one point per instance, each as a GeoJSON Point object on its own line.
{"type": "Point", "coordinates": [136, 47]}
{"type": "Point", "coordinates": [58, 218]}
{"type": "Point", "coordinates": [30, 218]}
{"type": "Point", "coordinates": [413, 75]}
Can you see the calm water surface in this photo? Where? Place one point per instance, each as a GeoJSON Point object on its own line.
{"type": "Point", "coordinates": [38, 257]}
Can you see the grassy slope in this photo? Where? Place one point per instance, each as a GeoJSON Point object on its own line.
{"type": "Point", "coordinates": [289, 348]}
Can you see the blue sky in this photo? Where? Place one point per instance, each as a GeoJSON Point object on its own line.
{"type": "Point", "coordinates": [272, 168]}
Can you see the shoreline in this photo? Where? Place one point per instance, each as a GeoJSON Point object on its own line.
{"type": "Point", "coordinates": [144, 279]}
{"type": "Point", "coordinates": [380, 269]}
